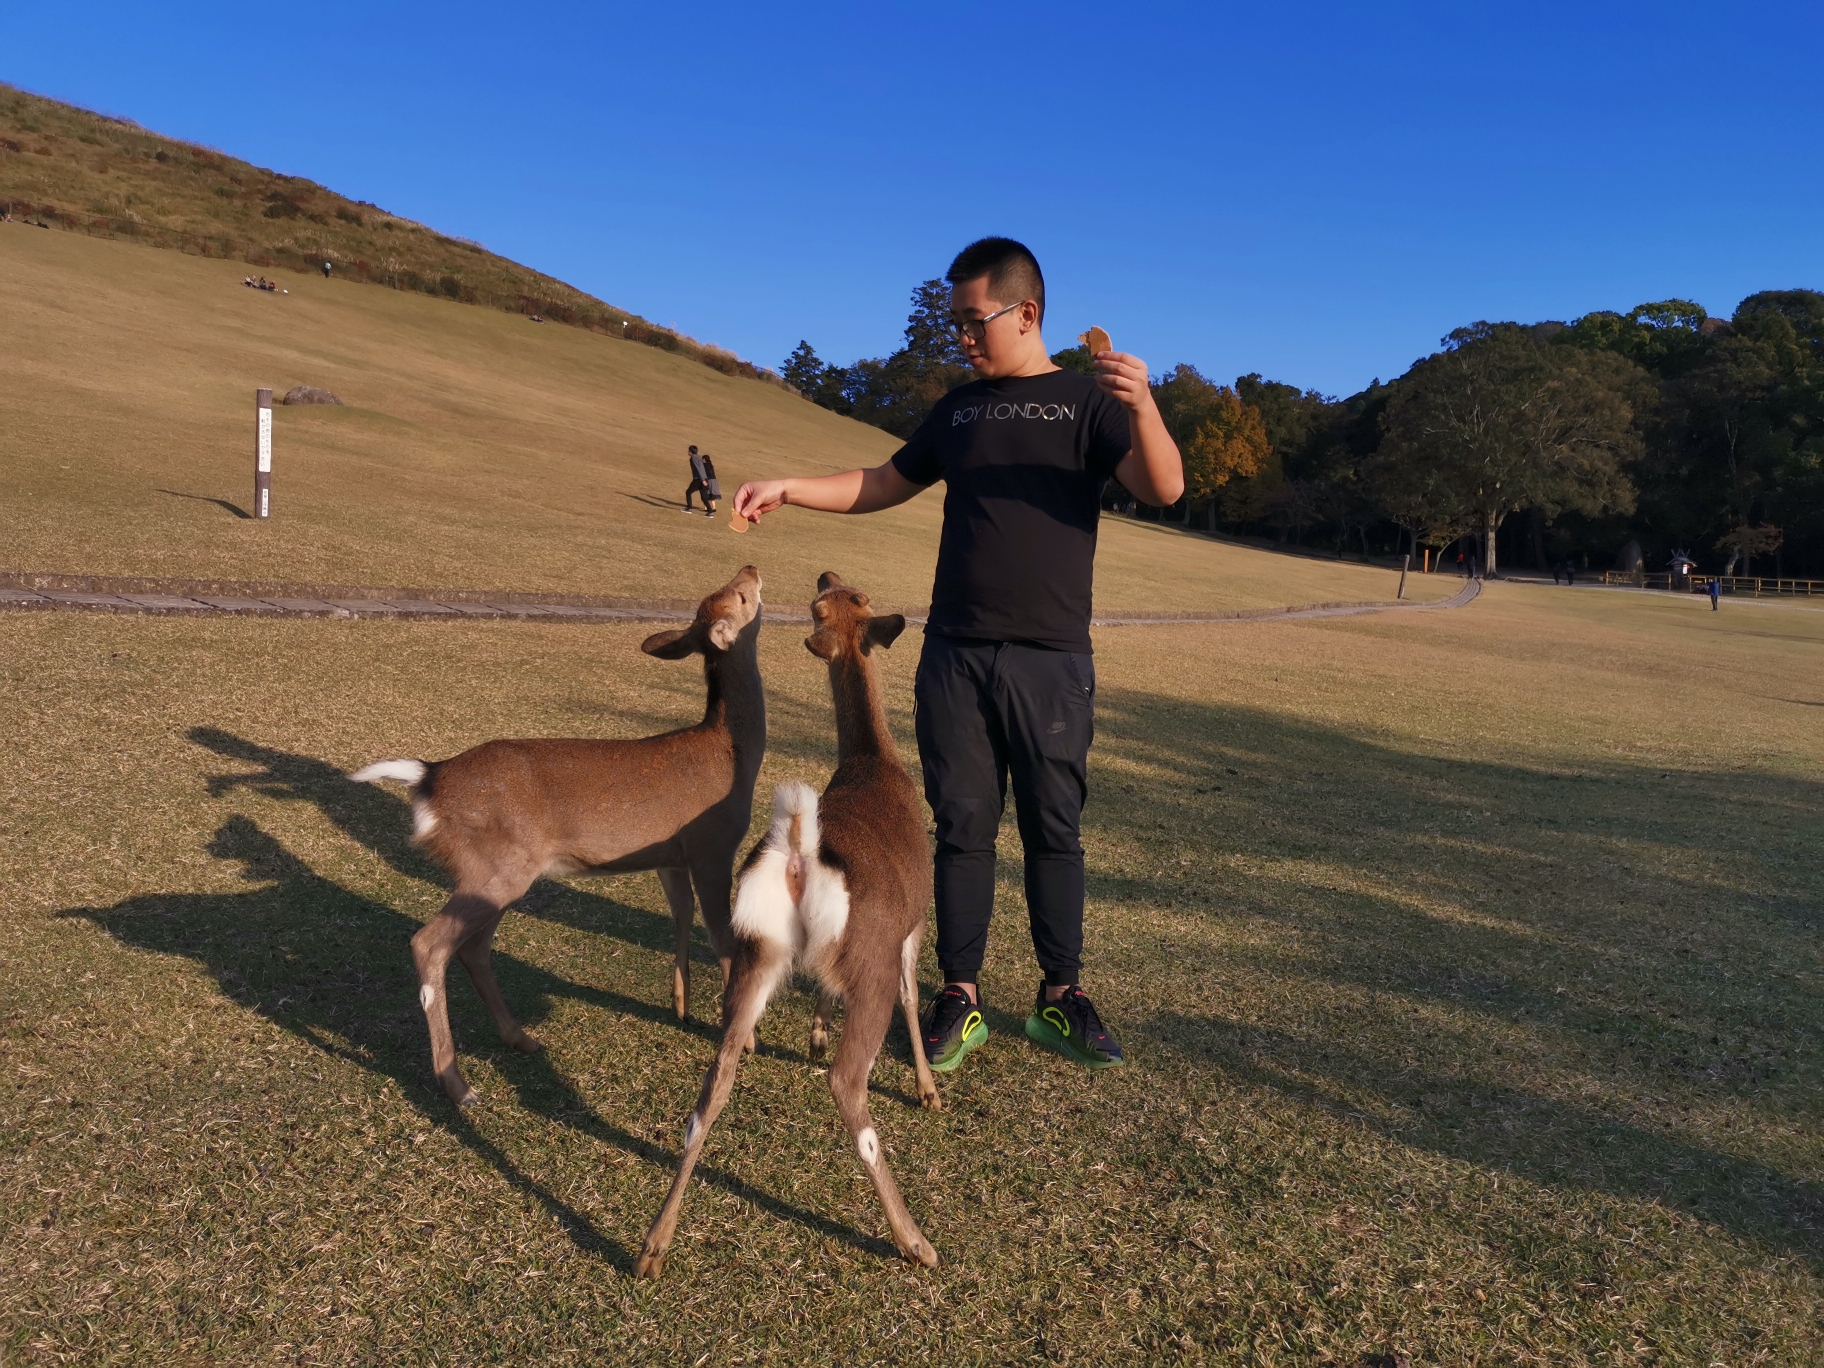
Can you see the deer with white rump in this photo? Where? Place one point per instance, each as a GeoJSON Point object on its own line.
{"type": "Point", "coordinates": [840, 886]}
{"type": "Point", "coordinates": [503, 813]}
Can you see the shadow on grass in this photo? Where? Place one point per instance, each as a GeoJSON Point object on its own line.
{"type": "Point", "coordinates": [235, 509]}
{"type": "Point", "coordinates": [380, 821]}
{"type": "Point", "coordinates": [1651, 930]}
{"type": "Point", "coordinates": [334, 969]}
{"type": "Point", "coordinates": [1493, 1126]}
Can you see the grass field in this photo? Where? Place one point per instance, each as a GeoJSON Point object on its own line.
{"type": "Point", "coordinates": [476, 450]}
{"type": "Point", "coordinates": [1468, 964]}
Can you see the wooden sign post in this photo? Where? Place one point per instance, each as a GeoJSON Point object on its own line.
{"type": "Point", "coordinates": [262, 457]}
{"type": "Point", "coordinates": [1405, 565]}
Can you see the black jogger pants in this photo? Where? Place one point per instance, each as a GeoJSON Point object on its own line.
{"type": "Point", "coordinates": [987, 711]}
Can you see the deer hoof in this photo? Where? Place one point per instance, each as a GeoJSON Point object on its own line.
{"type": "Point", "coordinates": [819, 1046]}
{"type": "Point", "coordinates": [527, 1043]}
{"type": "Point", "coordinates": [649, 1264]}
{"type": "Point", "coordinates": [753, 1043]}
{"type": "Point", "coordinates": [921, 1253]}
{"type": "Point", "coordinates": [931, 1101]}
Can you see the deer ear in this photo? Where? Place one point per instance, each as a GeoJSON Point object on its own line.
{"type": "Point", "coordinates": [827, 579]}
{"type": "Point", "coordinates": [822, 645]}
{"type": "Point", "coordinates": [674, 645]}
{"type": "Point", "coordinates": [722, 634]}
{"type": "Point", "coordinates": [884, 631]}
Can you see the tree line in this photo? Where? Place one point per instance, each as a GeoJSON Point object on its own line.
{"type": "Point", "coordinates": [1539, 444]}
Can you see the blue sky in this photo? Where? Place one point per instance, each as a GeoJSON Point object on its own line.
{"type": "Point", "coordinates": [1318, 192]}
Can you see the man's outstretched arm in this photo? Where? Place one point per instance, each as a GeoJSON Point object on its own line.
{"type": "Point", "coordinates": [853, 491]}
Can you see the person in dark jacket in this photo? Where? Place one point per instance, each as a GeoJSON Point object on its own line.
{"type": "Point", "coordinates": [699, 481]}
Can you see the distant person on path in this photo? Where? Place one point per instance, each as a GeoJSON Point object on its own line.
{"type": "Point", "coordinates": [699, 481]}
{"type": "Point", "coordinates": [326, 270]}
{"type": "Point", "coordinates": [1006, 683]}
{"type": "Point", "coordinates": [1716, 590]}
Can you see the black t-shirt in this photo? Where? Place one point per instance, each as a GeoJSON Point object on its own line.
{"type": "Point", "coordinates": [1024, 460]}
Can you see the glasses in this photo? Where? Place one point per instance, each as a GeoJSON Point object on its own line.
{"type": "Point", "coordinates": [975, 329]}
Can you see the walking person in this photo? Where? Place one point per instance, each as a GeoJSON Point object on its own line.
{"type": "Point", "coordinates": [1006, 683]}
{"type": "Point", "coordinates": [1716, 591]}
{"type": "Point", "coordinates": [699, 481]}
{"type": "Point", "coordinates": [712, 487]}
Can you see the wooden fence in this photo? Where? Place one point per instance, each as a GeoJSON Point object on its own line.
{"type": "Point", "coordinates": [1760, 586]}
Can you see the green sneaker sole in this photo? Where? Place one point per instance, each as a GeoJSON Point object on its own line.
{"type": "Point", "coordinates": [1042, 1032]}
{"type": "Point", "coordinates": [974, 1035]}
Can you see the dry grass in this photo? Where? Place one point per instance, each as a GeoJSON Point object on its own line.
{"type": "Point", "coordinates": [78, 171]}
{"type": "Point", "coordinates": [476, 451]}
{"type": "Point", "coordinates": [1468, 963]}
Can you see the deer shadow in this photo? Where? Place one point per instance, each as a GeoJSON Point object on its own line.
{"type": "Point", "coordinates": [380, 822]}
{"type": "Point", "coordinates": [333, 968]}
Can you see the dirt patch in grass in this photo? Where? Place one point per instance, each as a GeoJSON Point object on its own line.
{"type": "Point", "coordinates": [1468, 963]}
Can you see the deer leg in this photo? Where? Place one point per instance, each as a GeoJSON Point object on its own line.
{"type": "Point", "coordinates": [432, 947]}
{"type": "Point", "coordinates": [908, 1004]}
{"type": "Point", "coordinates": [676, 883]}
{"type": "Point", "coordinates": [758, 972]}
{"type": "Point", "coordinates": [715, 891]}
{"type": "Point", "coordinates": [477, 956]}
{"type": "Point", "coordinates": [864, 1027]}
{"type": "Point", "coordinates": [820, 1025]}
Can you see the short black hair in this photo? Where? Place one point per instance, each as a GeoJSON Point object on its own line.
{"type": "Point", "coordinates": [1013, 272]}
{"type": "Point", "coordinates": [693, 451]}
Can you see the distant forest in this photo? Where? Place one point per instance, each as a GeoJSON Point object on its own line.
{"type": "Point", "coordinates": [1529, 444]}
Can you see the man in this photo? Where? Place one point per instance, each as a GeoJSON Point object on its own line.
{"type": "Point", "coordinates": [699, 480]}
{"type": "Point", "coordinates": [1715, 590]}
{"type": "Point", "coordinates": [1006, 683]}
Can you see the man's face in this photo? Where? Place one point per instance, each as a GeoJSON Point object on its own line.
{"type": "Point", "coordinates": [998, 347]}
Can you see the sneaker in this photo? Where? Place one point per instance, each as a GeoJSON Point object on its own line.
{"type": "Point", "coordinates": [709, 512]}
{"type": "Point", "coordinates": [952, 1028]}
{"type": "Point", "coordinates": [1071, 1027]}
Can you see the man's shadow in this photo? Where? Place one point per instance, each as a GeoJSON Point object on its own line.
{"type": "Point", "coordinates": [334, 969]}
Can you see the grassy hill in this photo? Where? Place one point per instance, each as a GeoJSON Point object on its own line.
{"type": "Point", "coordinates": [474, 450]}
{"type": "Point", "coordinates": [92, 173]}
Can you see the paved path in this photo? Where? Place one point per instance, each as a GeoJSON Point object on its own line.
{"type": "Point", "coordinates": [188, 598]}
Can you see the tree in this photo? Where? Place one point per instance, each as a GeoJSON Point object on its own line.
{"type": "Point", "coordinates": [1229, 444]}
{"type": "Point", "coordinates": [1221, 438]}
{"type": "Point", "coordinates": [1507, 424]}
{"type": "Point", "coordinates": [1744, 543]}
{"type": "Point", "coordinates": [803, 370]}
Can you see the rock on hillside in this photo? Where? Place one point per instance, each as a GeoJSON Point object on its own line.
{"type": "Point", "coordinates": [105, 176]}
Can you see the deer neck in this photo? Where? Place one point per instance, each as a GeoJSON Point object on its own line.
{"type": "Point", "coordinates": [735, 701]}
{"type": "Point", "coordinates": [861, 718]}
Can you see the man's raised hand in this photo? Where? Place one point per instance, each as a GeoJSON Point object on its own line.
{"type": "Point", "coordinates": [1124, 377]}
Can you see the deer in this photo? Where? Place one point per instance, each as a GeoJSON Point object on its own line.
{"type": "Point", "coordinates": [838, 885]}
{"type": "Point", "coordinates": [500, 814]}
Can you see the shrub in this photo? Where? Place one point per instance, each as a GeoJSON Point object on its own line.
{"type": "Point", "coordinates": [450, 286]}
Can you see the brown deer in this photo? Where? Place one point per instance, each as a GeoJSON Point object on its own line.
{"type": "Point", "coordinates": [499, 815]}
{"type": "Point", "coordinates": [839, 886]}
